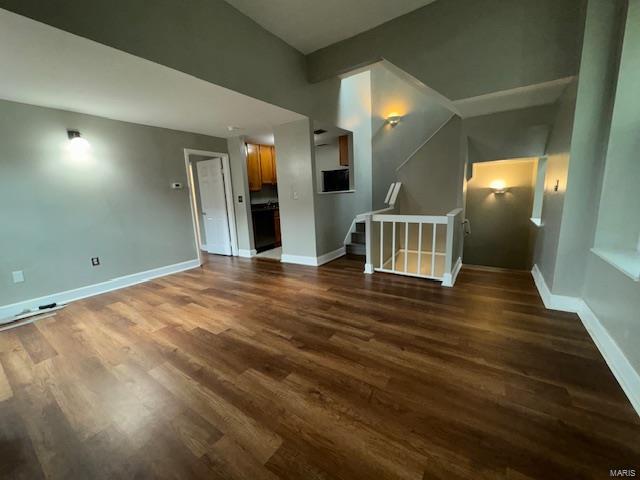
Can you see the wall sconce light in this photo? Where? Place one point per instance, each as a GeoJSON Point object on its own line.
{"type": "Point", "coordinates": [78, 146]}
{"type": "Point", "coordinates": [394, 119]}
{"type": "Point", "coordinates": [499, 187]}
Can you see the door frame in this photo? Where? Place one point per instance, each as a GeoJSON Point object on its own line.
{"type": "Point", "coordinates": [228, 193]}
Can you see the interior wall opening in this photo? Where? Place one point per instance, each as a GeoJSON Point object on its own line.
{"type": "Point", "coordinates": [209, 177]}
{"type": "Point", "coordinates": [499, 205]}
{"type": "Point", "coordinates": [263, 190]}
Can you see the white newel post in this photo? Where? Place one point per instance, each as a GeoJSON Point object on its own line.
{"type": "Point", "coordinates": [368, 224]}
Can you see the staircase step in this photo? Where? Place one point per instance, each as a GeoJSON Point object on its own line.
{"type": "Point", "coordinates": [356, 249]}
{"type": "Point", "coordinates": [360, 227]}
{"type": "Point", "coordinates": [358, 237]}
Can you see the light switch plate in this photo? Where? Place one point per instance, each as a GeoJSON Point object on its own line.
{"type": "Point", "coordinates": [18, 276]}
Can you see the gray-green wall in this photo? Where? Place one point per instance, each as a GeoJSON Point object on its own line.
{"type": "Point", "coordinates": [240, 186]}
{"type": "Point", "coordinates": [296, 187]}
{"type": "Point", "coordinates": [594, 105]}
{"type": "Point", "coordinates": [613, 297]}
{"type": "Point", "coordinates": [117, 204]}
{"type": "Point", "coordinates": [208, 39]}
{"type": "Point", "coordinates": [422, 115]}
{"type": "Point", "coordinates": [464, 48]}
{"type": "Point", "coordinates": [519, 133]}
{"type": "Point", "coordinates": [347, 105]}
{"type": "Point", "coordinates": [619, 218]}
{"type": "Point", "coordinates": [432, 180]}
{"type": "Point", "coordinates": [558, 153]}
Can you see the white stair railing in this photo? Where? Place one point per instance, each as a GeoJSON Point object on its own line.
{"type": "Point", "coordinates": [425, 246]}
{"type": "Point", "coordinates": [390, 202]}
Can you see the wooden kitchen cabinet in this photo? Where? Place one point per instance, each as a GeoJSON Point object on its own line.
{"type": "Point", "coordinates": [273, 158]}
{"type": "Point", "coordinates": [261, 166]}
{"type": "Point", "coordinates": [267, 165]}
{"type": "Point", "coordinates": [254, 170]}
{"type": "Point", "coordinates": [343, 144]}
{"type": "Point", "coordinates": [276, 225]}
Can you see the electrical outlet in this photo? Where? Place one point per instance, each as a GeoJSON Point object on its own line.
{"type": "Point", "coordinates": [18, 276]}
{"type": "Point", "coordinates": [95, 261]}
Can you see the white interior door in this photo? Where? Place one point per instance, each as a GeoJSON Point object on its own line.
{"type": "Point", "coordinates": [214, 206]}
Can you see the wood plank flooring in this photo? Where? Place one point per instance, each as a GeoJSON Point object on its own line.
{"type": "Point", "coordinates": [251, 369]}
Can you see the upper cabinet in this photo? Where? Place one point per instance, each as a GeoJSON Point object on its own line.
{"type": "Point", "coordinates": [261, 166]}
{"type": "Point", "coordinates": [267, 164]}
{"type": "Point", "coordinates": [343, 143]}
{"type": "Point", "coordinates": [253, 167]}
{"type": "Point", "coordinates": [273, 158]}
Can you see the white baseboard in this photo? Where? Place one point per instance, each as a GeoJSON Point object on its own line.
{"type": "Point", "coordinates": [449, 279]}
{"type": "Point", "coordinates": [313, 261]}
{"type": "Point", "coordinates": [7, 311]}
{"type": "Point", "coordinates": [368, 268]}
{"type": "Point", "coordinates": [247, 253]}
{"type": "Point", "coordinates": [551, 301]}
{"type": "Point", "coordinates": [625, 374]}
{"type": "Point", "coordinates": [327, 257]}
{"type": "Point", "coordinates": [299, 260]}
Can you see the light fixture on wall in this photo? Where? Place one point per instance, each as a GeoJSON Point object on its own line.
{"type": "Point", "coordinates": [394, 119]}
{"type": "Point", "coordinates": [499, 187]}
{"type": "Point", "coordinates": [78, 146]}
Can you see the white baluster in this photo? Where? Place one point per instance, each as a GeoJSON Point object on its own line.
{"type": "Point", "coordinates": [419, 248]}
{"type": "Point", "coordinates": [433, 251]}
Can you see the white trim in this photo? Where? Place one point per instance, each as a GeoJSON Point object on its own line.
{"type": "Point", "coordinates": [7, 311]}
{"type": "Point", "coordinates": [424, 143]}
{"type": "Point", "coordinates": [626, 261]}
{"type": "Point", "coordinates": [406, 274]}
{"type": "Point", "coordinates": [247, 253]}
{"type": "Point", "coordinates": [440, 220]}
{"type": "Point", "coordinates": [231, 211]}
{"type": "Point", "coordinates": [314, 261]}
{"type": "Point", "coordinates": [192, 205]}
{"type": "Point", "coordinates": [347, 238]}
{"type": "Point", "coordinates": [536, 221]}
{"type": "Point", "coordinates": [625, 374]}
{"type": "Point", "coordinates": [299, 260]}
{"type": "Point", "coordinates": [389, 192]}
{"type": "Point", "coordinates": [554, 302]}
{"type": "Point", "coordinates": [336, 191]}
{"type": "Point", "coordinates": [361, 217]}
{"type": "Point", "coordinates": [231, 216]}
{"type": "Point", "coordinates": [368, 268]}
{"type": "Point", "coordinates": [449, 279]}
{"type": "Point", "coordinates": [394, 195]}
{"type": "Point", "coordinates": [328, 257]}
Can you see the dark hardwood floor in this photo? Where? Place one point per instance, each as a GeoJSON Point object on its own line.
{"type": "Point", "coordinates": [250, 369]}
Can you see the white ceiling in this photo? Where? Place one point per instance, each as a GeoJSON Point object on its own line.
{"type": "Point", "coordinates": [308, 25]}
{"type": "Point", "coordinates": [44, 66]}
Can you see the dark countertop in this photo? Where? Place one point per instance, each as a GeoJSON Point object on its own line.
{"type": "Point", "coordinates": [264, 207]}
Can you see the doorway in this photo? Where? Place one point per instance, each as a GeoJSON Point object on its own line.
{"type": "Point", "coordinates": [263, 189]}
{"type": "Point", "coordinates": [211, 200]}
{"type": "Point", "coordinates": [499, 204]}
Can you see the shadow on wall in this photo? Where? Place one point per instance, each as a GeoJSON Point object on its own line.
{"type": "Point", "coordinates": [499, 204]}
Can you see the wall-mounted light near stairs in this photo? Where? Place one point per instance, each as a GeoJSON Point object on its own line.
{"type": "Point", "coordinates": [499, 187]}
{"type": "Point", "coordinates": [394, 119]}
{"type": "Point", "coordinates": [78, 147]}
